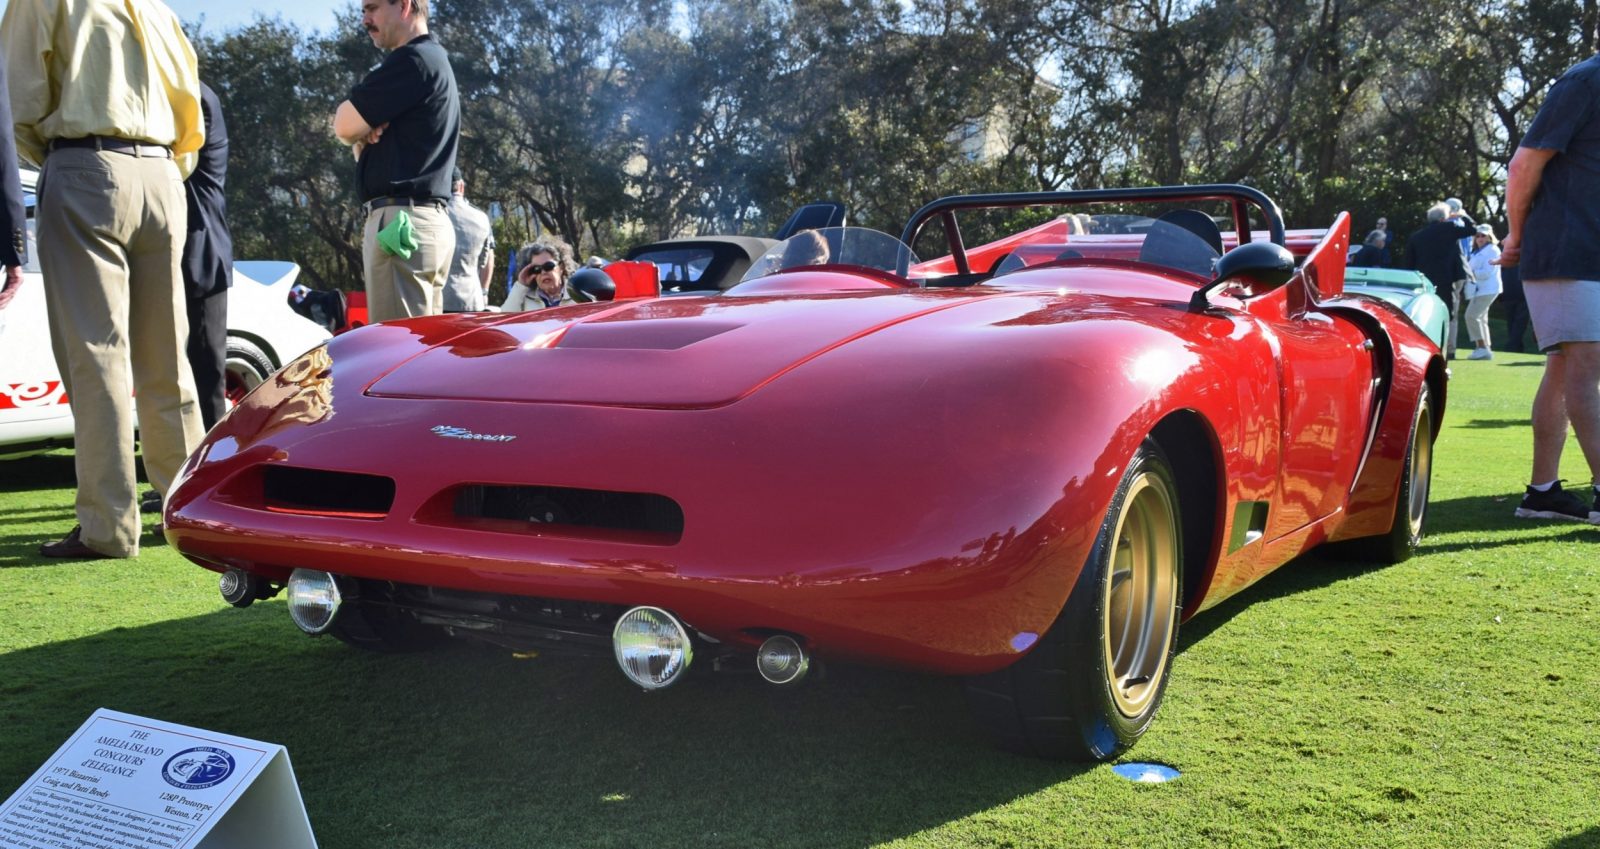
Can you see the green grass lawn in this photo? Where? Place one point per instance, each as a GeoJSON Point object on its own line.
{"type": "Point", "coordinates": [1450, 701]}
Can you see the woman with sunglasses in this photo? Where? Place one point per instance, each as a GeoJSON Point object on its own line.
{"type": "Point", "coordinates": [542, 281]}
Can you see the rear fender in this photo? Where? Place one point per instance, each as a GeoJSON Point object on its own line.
{"type": "Point", "coordinates": [1407, 361]}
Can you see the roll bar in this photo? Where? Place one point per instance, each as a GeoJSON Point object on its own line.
{"type": "Point", "coordinates": [1241, 197]}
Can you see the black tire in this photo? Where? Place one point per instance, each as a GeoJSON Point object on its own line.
{"type": "Point", "coordinates": [1411, 504]}
{"type": "Point", "coordinates": [1092, 684]}
{"type": "Point", "coordinates": [246, 366]}
{"type": "Point", "coordinates": [379, 628]}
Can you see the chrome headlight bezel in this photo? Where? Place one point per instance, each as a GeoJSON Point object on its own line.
{"type": "Point", "coordinates": [314, 600]}
{"type": "Point", "coordinates": [652, 647]}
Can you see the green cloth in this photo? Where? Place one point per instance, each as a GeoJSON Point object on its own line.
{"type": "Point", "coordinates": [398, 237]}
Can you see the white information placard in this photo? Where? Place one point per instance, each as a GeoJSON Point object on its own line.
{"type": "Point", "coordinates": [125, 781]}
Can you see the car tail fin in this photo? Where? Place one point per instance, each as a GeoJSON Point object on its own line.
{"type": "Point", "coordinates": [1324, 266]}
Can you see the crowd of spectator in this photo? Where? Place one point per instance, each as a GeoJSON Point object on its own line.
{"type": "Point", "coordinates": [1458, 256]}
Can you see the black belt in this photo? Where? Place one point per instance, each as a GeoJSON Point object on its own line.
{"type": "Point", "coordinates": [384, 203]}
{"type": "Point", "coordinates": [115, 145]}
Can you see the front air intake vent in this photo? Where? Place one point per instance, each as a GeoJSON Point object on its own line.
{"type": "Point", "coordinates": [315, 492]}
{"type": "Point", "coordinates": [590, 513]}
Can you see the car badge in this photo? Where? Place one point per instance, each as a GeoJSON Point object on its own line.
{"type": "Point", "coordinates": [453, 432]}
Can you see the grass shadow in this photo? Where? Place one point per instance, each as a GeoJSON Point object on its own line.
{"type": "Point", "coordinates": [1479, 516]}
{"type": "Point", "coordinates": [1498, 424]}
{"type": "Point", "coordinates": [473, 747]}
{"type": "Point", "coordinates": [1308, 572]}
{"type": "Point", "coordinates": [1587, 839]}
{"type": "Point", "coordinates": [34, 515]}
{"type": "Point", "coordinates": [22, 549]}
{"type": "Point", "coordinates": [1482, 520]}
{"type": "Point", "coordinates": [38, 471]}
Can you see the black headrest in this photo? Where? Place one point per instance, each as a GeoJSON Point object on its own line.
{"type": "Point", "coordinates": [1183, 238]}
{"type": "Point", "coordinates": [594, 282]}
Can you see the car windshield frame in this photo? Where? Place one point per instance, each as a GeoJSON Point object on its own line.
{"type": "Point", "coordinates": [835, 248]}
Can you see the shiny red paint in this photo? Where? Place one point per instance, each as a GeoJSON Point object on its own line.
{"type": "Point", "coordinates": [904, 476]}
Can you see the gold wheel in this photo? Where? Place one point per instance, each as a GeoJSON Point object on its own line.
{"type": "Point", "coordinates": [1421, 470]}
{"type": "Point", "coordinates": [1141, 596]}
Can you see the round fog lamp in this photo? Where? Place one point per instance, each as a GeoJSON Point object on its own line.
{"type": "Point", "coordinates": [652, 647]}
{"type": "Point", "coordinates": [313, 600]}
{"type": "Point", "coordinates": [782, 660]}
{"type": "Point", "coordinates": [232, 584]}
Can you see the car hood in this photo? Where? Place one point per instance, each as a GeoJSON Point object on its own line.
{"type": "Point", "coordinates": [671, 353]}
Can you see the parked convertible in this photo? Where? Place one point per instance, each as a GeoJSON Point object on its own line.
{"type": "Point", "coordinates": [1021, 463]}
{"type": "Point", "coordinates": [706, 264]}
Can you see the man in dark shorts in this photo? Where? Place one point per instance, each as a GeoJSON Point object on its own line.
{"type": "Point", "coordinates": [403, 122]}
{"type": "Point", "coordinates": [1553, 204]}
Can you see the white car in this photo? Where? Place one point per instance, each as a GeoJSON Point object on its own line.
{"type": "Point", "coordinates": [263, 334]}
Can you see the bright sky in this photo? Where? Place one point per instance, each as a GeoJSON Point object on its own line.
{"type": "Point", "coordinates": [223, 15]}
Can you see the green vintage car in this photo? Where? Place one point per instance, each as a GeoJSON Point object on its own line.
{"type": "Point", "coordinates": [1408, 290]}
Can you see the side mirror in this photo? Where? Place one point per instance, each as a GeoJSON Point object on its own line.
{"type": "Point", "coordinates": [1262, 261]}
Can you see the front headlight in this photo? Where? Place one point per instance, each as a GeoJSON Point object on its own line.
{"type": "Point", "coordinates": [313, 600]}
{"type": "Point", "coordinates": [652, 647]}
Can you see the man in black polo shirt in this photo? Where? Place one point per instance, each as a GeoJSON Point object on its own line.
{"type": "Point", "coordinates": [403, 122]}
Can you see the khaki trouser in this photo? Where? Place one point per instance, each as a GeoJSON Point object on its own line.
{"type": "Point", "coordinates": [111, 230]}
{"type": "Point", "coordinates": [402, 288]}
{"type": "Point", "coordinates": [1456, 309]}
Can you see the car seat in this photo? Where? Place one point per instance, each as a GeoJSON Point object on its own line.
{"type": "Point", "coordinates": [324, 306]}
{"type": "Point", "coordinates": [1185, 239]}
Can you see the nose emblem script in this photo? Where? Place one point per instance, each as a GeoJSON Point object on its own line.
{"type": "Point", "coordinates": [453, 432]}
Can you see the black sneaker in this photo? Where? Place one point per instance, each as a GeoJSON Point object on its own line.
{"type": "Point", "coordinates": [150, 502]}
{"type": "Point", "coordinates": [1557, 503]}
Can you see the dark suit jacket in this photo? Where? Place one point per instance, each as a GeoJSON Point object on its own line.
{"type": "Point", "coordinates": [1435, 250]}
{"type": "Point", "coordinates": [13, 218]}
{"type": "Point", "coordinates": [1370, 257]}
{"type": "Point", "coordinates": [208, 250]}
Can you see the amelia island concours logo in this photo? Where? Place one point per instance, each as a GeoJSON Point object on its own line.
{"type": "Point", "coordinates": [198, 768]}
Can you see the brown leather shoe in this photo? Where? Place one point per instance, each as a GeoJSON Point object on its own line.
{"type": "Point", "coordinates": [71, 547]}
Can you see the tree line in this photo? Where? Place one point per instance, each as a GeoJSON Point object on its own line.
{"type": "Point", "coordinates": [616, 122]}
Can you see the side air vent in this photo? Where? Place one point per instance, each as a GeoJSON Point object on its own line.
{"type": "Point", "coordinates": [315, 492]}
{"type": "Point", "coordinates": [636, 517]}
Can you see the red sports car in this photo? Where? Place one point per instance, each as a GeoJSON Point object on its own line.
{"type": "Point", "coordinates": [1023, 463]}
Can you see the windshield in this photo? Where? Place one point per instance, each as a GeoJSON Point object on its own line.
{"type": "Point", "coordinates": [678, 266]}
{"type": "Point", "coordinates": [835, 246]}
{"type": "Point", "coordinates": [1000, 234]}
{"type": "Point", "coordinates": [1185, 240]}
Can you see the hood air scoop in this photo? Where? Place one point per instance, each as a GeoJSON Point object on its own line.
{"type": "Point", "coordinates": [672, 353]}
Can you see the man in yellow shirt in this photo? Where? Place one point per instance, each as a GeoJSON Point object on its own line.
{"type": "Point", "coordinates": [105, 96]}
